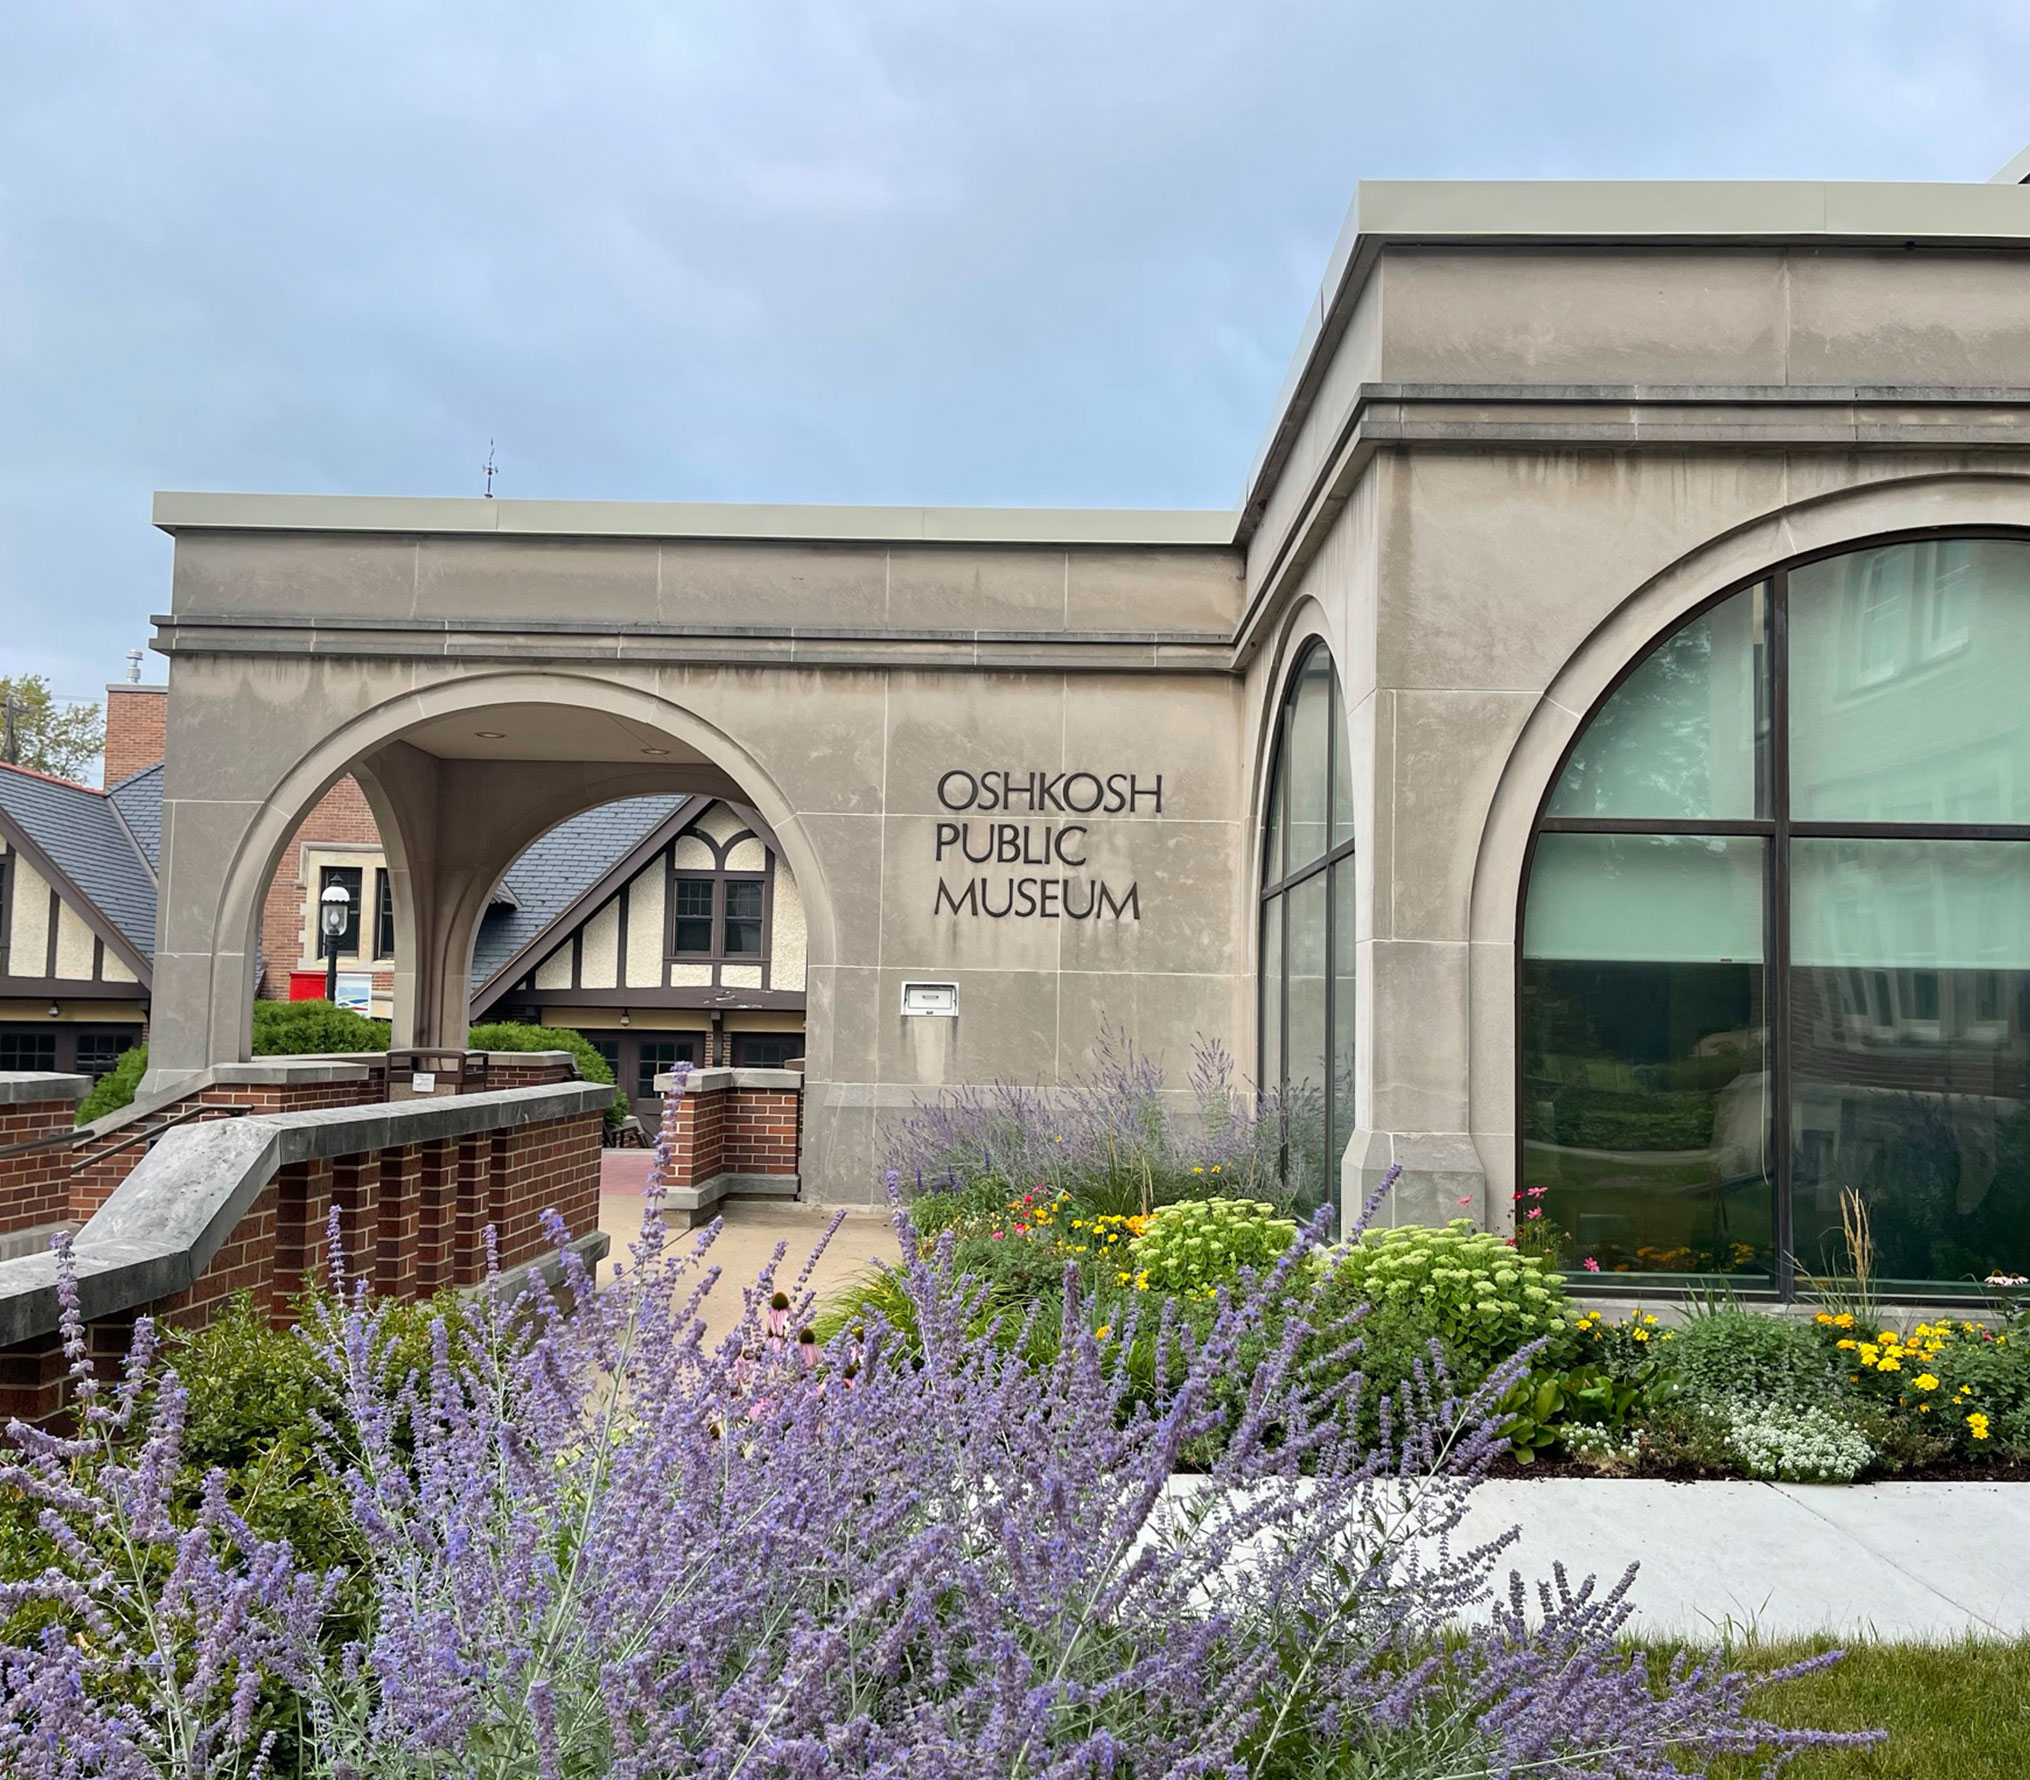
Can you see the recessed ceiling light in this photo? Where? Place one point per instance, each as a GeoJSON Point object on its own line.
{"type": "Point", "coordinates": [655, 750]}
{"type": "Point", "coordinates": [491, 735]}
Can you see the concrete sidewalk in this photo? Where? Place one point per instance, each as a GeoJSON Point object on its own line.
{"type": "Point", "coordinates": [1904, 1561]}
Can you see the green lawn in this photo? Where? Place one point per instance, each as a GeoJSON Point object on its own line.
{"type": "Point", "coordinates": [1952, 1711]}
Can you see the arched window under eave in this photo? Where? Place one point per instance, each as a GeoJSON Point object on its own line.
{"type": "Point", "coordinates": [1776, 940]}
{"type": "Point", "coordinates": [1307, 936]}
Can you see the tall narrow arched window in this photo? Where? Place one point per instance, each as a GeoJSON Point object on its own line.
{"type": "Point", "coordinates": [1776, 941]}
{"type": "Point", "coordinates": [1307, 930]}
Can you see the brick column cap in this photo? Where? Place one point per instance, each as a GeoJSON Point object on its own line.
{"type": "Point", "coordinates": [23, 1087]}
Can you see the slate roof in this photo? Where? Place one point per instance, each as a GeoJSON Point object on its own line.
{"type": "Point", "coordinates": [138, 798]}
{"type": "Point", "coordinates": [560, 868]}
{"type": "Point", "coordinates": [83, 835]}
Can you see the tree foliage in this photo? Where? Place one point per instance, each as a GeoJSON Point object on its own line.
{"type": "Point", "coordinates": [45, 734]}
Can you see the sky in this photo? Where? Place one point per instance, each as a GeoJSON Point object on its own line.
{"type": "Point", "coordinates": [1044, 253]}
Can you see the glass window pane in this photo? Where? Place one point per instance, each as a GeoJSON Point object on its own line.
{"type": "Point", "coordinates": [1645, 1091]}
{"type": "Point", "coordinates": [743, 917]}
{"type": "Point", "coordinates": [1271, 1077]}
{"type": "Point", "coordinates": [1343, 986]}
{"type": "Point", "coordinates": [1910, 1002]}
{"type": "Point", "coordinates": [1272, 819]}
{"type": "Point", "coordinates": [1683, 736]}
{"type": "Point", "coordinates": [693, 928]}
{"type": "Point", "coordinates": [1342, 773]}
{"type": "Point", "coordinates": [1306, 1062]}
{"type": "Point", "coordinates": [384, 915]}
{"type": "Point", "coordinates": [1307, 750]}
{"type": "Point", "coordinates": [347, 877]}
{"type": "Point", "coordinates": [1663, 898]}
{"type": "Point", "coordinates": [1907, 669]}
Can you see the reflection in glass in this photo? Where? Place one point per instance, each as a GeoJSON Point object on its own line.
{"type": "Point", "coordinates": [1307, 758]}
{"type": "Point", "coordinates": [1272, 992]}
{"type": "Point", "coordinates": [1306, 1058]}
{"type": "Point", "coordinates": [1342, 779]}
{"type": "Point", "coordinates": [1343, 989]}
{"type": "Point", "coordinates": [1644, 1044]}
{"type": "Point", "coordinates": [1907, 673]}
{"type": "Point", "coordinates": [1910, 986]}
{"type": "Point", "coordinates": [1684, 736]}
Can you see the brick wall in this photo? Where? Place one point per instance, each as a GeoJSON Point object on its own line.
{"type": "Point", "coordinates": [724, 1126]}
{"type": "Point", "coordinates": [340, 818]}
{"type": "Point", "coordinates": [100, 1166]}
{"type": "Point", "coordinates": [135, 729]}
{"type": "Point", "coordinates": [412, 1218]}
{"type": "Point", "coordinates": [762, 1129]}
{"type": "Point", "coordinates": [34, 1188]}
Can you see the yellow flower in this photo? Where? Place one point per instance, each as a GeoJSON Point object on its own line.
{"type": "Point", "coordinates": [1925, 1382]}
{"type": "Point", "coordinates": [1824, 1316]}
{"type": "Point", "coordinates": [1640, 1334]}
{"type": "Point", "coordinates": [1979, 1423]}
{"type": "Point", "coordinates": [1889, 1363]}
{"type": "Point", "coordinates": [1646, 1317]}
{"type": "Point", "coordinates": [1198, 1171]}
{"type": "Point", "coordinates": [1103, 1331]}
{"type": "Point", "coordinates": [1869, 1353]}
{"type": "Point", "coordinates": [1846, 1344]}
{"type": "Point", "coordinates": [1845, 1319]}
{"type": "Point", "coordinates": [1215, 1168]}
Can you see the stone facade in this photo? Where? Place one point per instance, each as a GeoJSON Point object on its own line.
{"type": "Point", "coordinates": [1529, 428]}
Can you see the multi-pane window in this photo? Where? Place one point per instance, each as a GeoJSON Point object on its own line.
{"type": "Point", "coordinates": [717, 917]}
{"type": "Point", "coordinates": [658, 1056]}
{"type": "Point", "coordinates": [349, 878]}
{"type": "Point", "coordinates": [99, 1051]}
{"type": "Point", "coordinates": [1776, 939]}
{"type": "Point", "coordinates": [1307, 972]}
{"type": "Point", "coordinates": [766, 1050]}
{"type": "Point", "coordinates": [28, 1050]}
{"type": "Point", "coordinates": [694, 917]}
{"type": "Point", "coordinates": [384, 915]}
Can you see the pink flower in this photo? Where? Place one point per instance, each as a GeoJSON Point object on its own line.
{"type": "Point", "coordinates": [1591, 1265]}
{"type": "Point", "coordinates": [1466, 1202]}
{"type": "Point", "coordinates": [997, 1236]}
{"type": "Point", "coordinates": [1536, 1211]}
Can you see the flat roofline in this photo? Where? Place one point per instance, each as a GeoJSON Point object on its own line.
{"type": "Point", "coordinates": [177, 511]}
{"type": "Point", "coordinates": [1625, 212]}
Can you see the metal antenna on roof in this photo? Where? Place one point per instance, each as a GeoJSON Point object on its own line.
{"type": "Point", "coordinates": [135, 657]}
{"type": "Point", "coordinates": [489, 469]}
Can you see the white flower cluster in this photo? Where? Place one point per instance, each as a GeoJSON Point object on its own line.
{"type": "Point", "coordinates": [1599, 1446]}
{"type": "Point", "coordinates": [1795, 1445]}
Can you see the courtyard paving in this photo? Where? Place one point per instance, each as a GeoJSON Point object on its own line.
{"type": "Point", "coordinates": [1892, 1560]}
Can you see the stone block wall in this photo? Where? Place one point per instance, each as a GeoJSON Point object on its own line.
{"type": "Point", "coordinates": [35, 1178]}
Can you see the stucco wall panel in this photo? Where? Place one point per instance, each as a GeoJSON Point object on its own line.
{"type": "Point", "coordinates": [647, 916]}
{"type": "Point", "coordinates": [74, 945]}
{"type": "Point", "coordinates": [28, 937]}
{"type": "Point", "coordinates": [599, 962]}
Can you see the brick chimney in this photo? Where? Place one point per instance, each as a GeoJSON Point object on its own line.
{"type": "Point", "coordinates": [136, 718]}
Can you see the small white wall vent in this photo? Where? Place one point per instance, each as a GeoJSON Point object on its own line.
{"type": "Point", "coordinates": [936, 1000]}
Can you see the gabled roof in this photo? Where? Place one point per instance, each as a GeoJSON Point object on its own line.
{"type": "Point", "coordinates": [81, 840]}
{"type": "Point", "coordinates": [138, 798]}
{"type": "Point", "coordinates": [557, 873]}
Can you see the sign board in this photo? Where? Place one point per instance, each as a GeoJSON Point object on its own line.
{"type": "Point", "coordinates": [356, 991]}
{"type": "Point", "coordinates": [424, 1081]}
{"type": "Point", "coordinates": [936, 1000]}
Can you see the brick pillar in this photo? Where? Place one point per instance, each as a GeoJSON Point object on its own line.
{"type": "Point", "coordinates": [473, 1189]}
{"type": "Point", "coordinates": [302, 1206]}
{"type": "Point", "coordinates": [396, 1227]}
{"type": "Point", "coordinates": [355, 1191]}
{"type": "Point", "coordinates": [436, 1214]}
{"type": "Point", "coordinates": [35, 1108]}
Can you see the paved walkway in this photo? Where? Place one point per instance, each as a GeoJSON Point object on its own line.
{"type": "Point", "coordinates": [752, 1230]}
{"type": "Point", "coordinates": [1906, 1561]}
{"type": "Point", "coordinates": [1893, 1560]}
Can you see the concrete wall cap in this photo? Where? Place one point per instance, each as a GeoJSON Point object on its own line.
{"type": "Point", "coordinates": [177, 510]}
{"type": "Point", "coordinates": [715, 1081]}
{"type": "Point", "coordinates": [163, 1224]}
{"type": "Point", "coordinates": [286, 1072]}
{"type": "Point", "coordinates": [24, 1087]}
{"type": "Point", "coordinates": [504, 1059]}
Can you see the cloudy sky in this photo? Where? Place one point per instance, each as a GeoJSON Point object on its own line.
{"type": "Point", "coordinates": [1050, 252]}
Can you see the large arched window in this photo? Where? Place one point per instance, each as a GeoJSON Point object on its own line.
{"type": "Point", "coordinates": [1307, 930]}
{"type": "Point", "coordinates": [1776, 943]}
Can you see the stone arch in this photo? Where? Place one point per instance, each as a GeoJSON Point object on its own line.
{"type": "Point", "coordinates": [1847, 517]}
{"type": "Point", "coordinates": [435, 930]}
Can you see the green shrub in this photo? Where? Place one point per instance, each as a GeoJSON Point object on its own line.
{"type": "Point", "coordinates": [117, 1087]}
{"type": "Point", "coordinates": [1479, 1298]}
{"type": "Point", "coordinates": [512, 1035]}
{"type": "Point", "coordinates": [314, 1029]}
{"type": "Point", "coordinates": [1197, 1244]}
{"type": "Point", "coordinates": [280, 1029]}
{"type": "Point", "coordinates": [1746, 1354]}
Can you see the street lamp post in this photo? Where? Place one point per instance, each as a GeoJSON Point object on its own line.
{"type": "Point", "coordinates": [336, 907]}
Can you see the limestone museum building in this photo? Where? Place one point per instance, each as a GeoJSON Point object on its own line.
{"type": "Point", "coordinates": [1590, 767]}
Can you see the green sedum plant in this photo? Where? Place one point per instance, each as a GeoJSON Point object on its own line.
{"type": "Point", "coordinates": [1198, 1244]}
{"type": "Point", "coordinates": [1465, 1288]}
{"type": "Point", "coordinates": [1734, 1353]}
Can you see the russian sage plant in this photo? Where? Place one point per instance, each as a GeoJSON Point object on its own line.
{"type": "Point", "coordinates": [600, 1544]}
